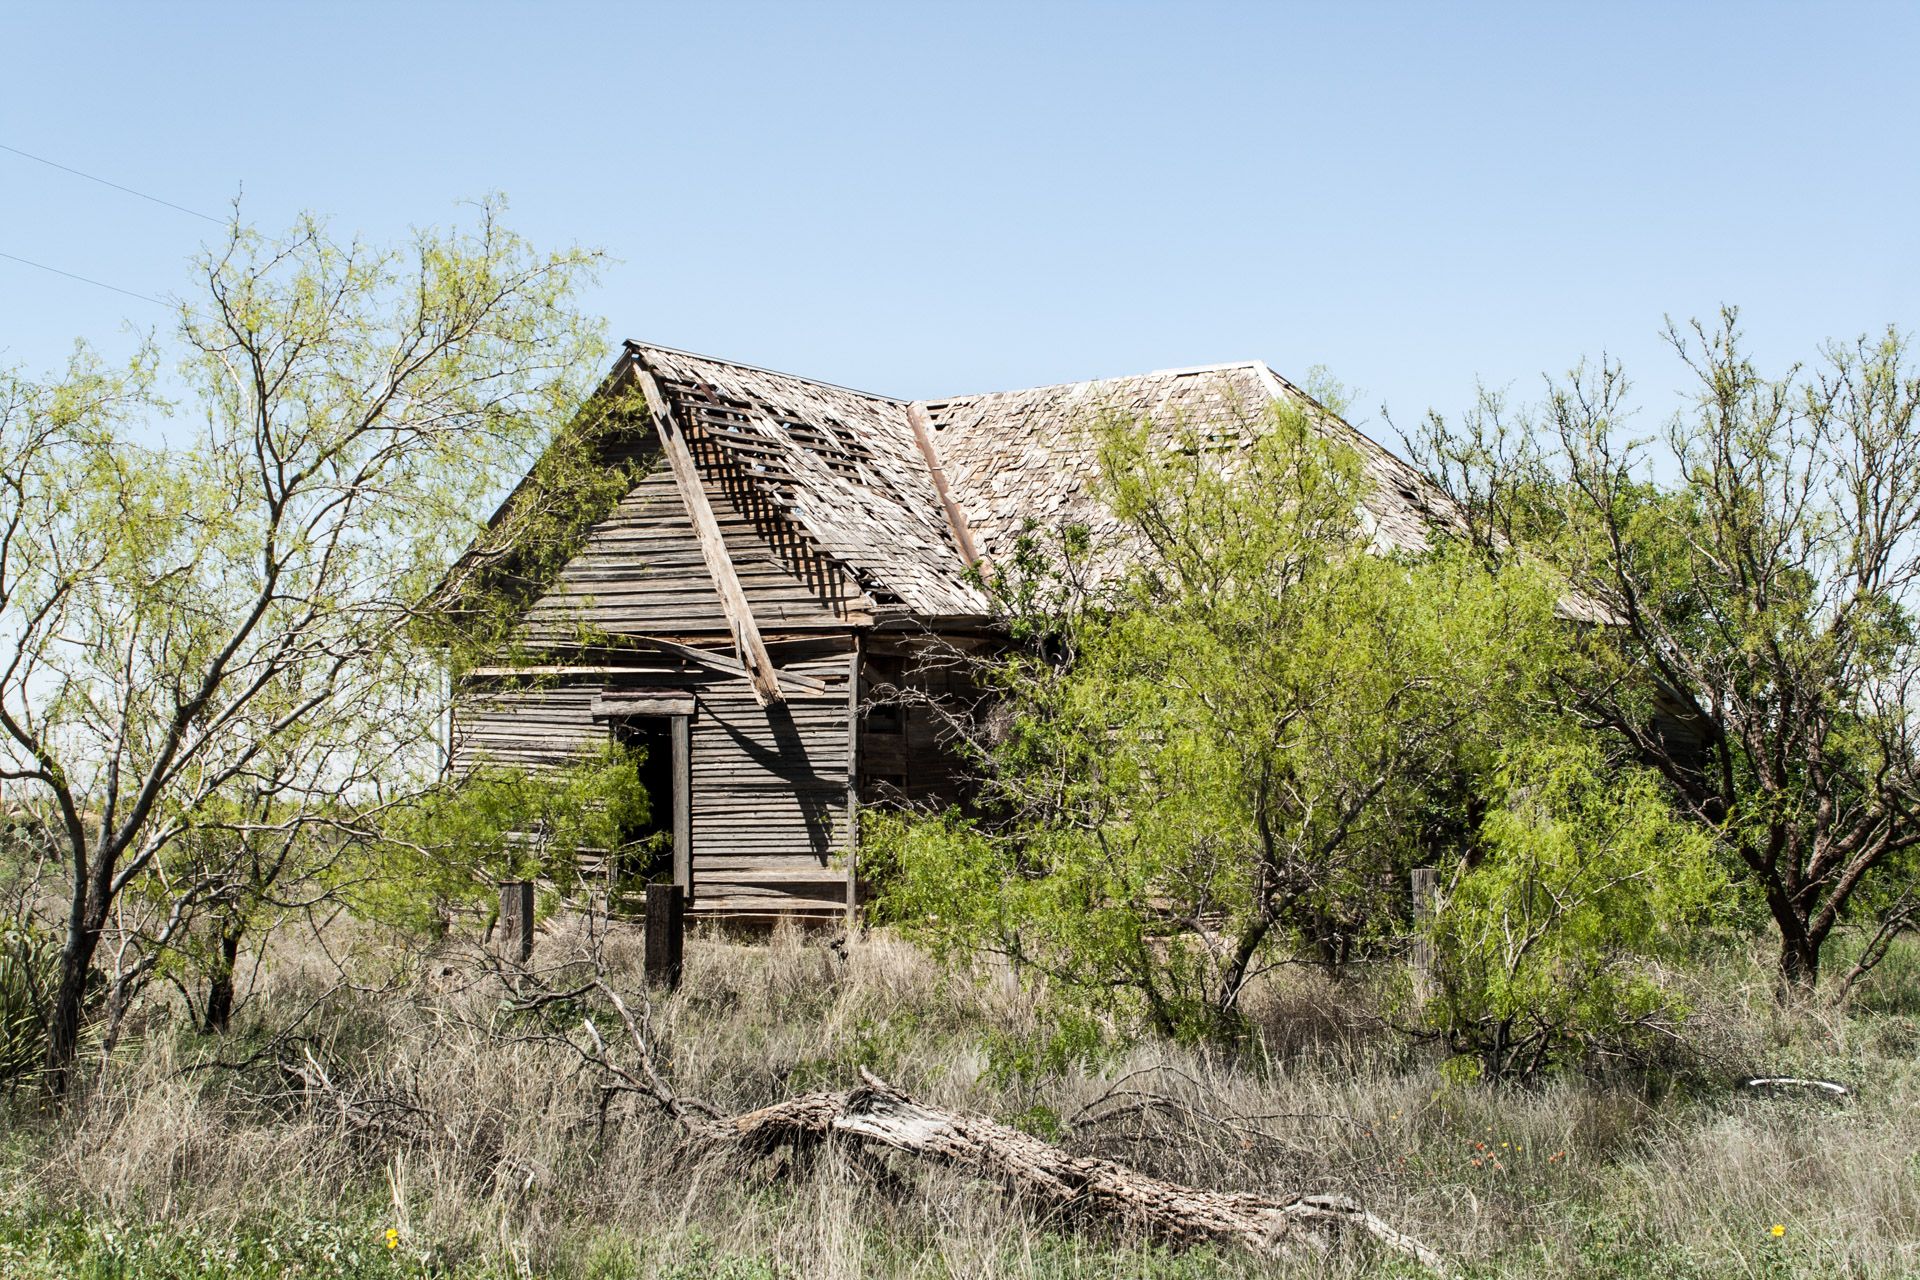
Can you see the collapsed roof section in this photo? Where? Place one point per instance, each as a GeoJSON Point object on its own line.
{"type": "Point", "coordinates": [907, 495]}
{"type": "Point", "coordinates": [843, 466]}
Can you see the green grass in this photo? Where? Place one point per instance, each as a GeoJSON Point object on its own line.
{"type": "Point", "coordinates": [36, 1242]}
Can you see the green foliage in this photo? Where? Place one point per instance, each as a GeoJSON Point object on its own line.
{"type": "Point", "coordinates": [1064, 1039]}
{"type": "Point", "coordinates": [1222, 756]}
{"type": "Point", "coordinates": [454, 844]}
{"type": "Point", "coordinates": [1759, 577]}
{"type": "Point", "coordinates": [29, 952]}
{"type": "Point", "coordinates": [39, 1244]}
{"type": "Point", "coordinates": [585, 470]}
{"type": "Point", "coordinates": [213, 637]}
{"type": "Point", "coordinates": [1580, 875]}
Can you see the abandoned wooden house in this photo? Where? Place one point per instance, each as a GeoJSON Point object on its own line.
{"type": "Point", "coordinates": [787, 544]}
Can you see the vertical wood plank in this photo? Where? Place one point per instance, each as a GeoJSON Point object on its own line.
{"type": "Point", "coordinates": [682, 733]}
{"type": "Point", "coordinates": [666, 934]}
{"type": "Point", "coordinates": [853, 781]}
{"type": "Point", "coordinates": [1426, 899]}
{"type": "Point", "coordinates": [516, 920]}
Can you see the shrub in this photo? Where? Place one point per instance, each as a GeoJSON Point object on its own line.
{"type": "Point", "coordinates": [1547, 939]}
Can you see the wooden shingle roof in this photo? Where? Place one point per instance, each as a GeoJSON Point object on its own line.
{"type": "Point", "coordinates": [1014, 455]}
{"type": "Point", "coordinates": [846, 468]}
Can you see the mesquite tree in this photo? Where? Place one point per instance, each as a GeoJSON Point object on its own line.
{"type": "Point", "coordinates": [1756, 577]}
{"type": "Point", "coordinates": [209, 638]}
{"type": "Point", "coordinates": [1223, 761]}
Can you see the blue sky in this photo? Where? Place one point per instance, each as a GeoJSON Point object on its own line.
{"type": "Point", "coordinates": [928, 200]}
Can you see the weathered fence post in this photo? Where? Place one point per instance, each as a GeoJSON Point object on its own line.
{"type": "Point", "coordinates": [516, 919]}
{"type": "Point", "coordinates": [1426, 903]}
{"type": "Point", "coordinates": [666, 933]}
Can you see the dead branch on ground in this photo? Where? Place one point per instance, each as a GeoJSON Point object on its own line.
{"type": "Point", "coordinates": [366, 1110]}
{"type": "Point", "coordinates": [1078, 1189]}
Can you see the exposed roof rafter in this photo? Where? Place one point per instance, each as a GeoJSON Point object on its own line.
{"type": "Point", "coordinates": [733, 599]}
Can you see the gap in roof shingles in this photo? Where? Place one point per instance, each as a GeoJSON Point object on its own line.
{"type": "Point", "coordinates": [847, 471]}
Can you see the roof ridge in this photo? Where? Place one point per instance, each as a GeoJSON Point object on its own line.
{"type": "Point", "coordinates": [634, 343]}
{"type": "Point", "coordinates": [1201, 368]}
{"type": "Point", "coordinates": [1094, 382]}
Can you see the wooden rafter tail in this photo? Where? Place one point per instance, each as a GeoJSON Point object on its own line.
{"type": "Point", "coordinates": [733, 598]}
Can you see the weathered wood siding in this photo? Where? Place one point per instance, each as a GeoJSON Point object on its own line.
{"type": "Point", "coordinates": [769, 783]}
{"type": "Point", "coordinates": [641, 571]}
{"type": "Point", "coordinates": [906, 728]}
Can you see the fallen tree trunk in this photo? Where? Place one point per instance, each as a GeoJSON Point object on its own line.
{"type": "Point", "coordinates": [1077, 1188]}
{"type": "Point", "coordinates": [1074, 1187]}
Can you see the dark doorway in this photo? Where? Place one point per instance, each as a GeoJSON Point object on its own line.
{"type": "Point", "coordinates": [651, 842]}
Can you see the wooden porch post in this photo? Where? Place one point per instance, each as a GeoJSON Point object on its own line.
{"type": "Point", "coordinates": [682, 733]}
{"type": "Point", "coordinates": [666, 934]}
{"type": "Point", "coordinates": [516, 920]}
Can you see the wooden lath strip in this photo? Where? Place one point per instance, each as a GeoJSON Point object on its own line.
{"type": "Point", "coordinates": [834, 443]}
{"type": "Point", "coordinates": [733, 598]}
{"type": "Point", "coordinates": [761, 447]}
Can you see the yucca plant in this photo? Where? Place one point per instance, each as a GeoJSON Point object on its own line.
{"type": "Point", "coordinates": [27, 970]}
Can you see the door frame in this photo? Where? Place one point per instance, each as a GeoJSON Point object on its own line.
{"type": "Point", "coordinates": [677, 707]}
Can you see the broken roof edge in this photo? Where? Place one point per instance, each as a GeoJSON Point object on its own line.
{"type": "Point", "coordinates": [1277, 386]}
{"type": "Point", "coordinates": [1435, 502]}
{"type": "Point", "coordinates": [1277, 383]}
{"type": "Point", "coordinates": [1267, 372]}
{"type": "Point", "coordinates": [634, 344]}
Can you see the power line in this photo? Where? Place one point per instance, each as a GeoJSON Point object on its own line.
{"type": "Point", "coordinates": [117, 187]}
{"type": "Point", "coordinates": [82, 279]}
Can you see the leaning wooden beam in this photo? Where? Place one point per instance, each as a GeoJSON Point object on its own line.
{"type": "Point", "coordinates": [956, 519]}
{"type": "Point", "coordinates": [733, 598]}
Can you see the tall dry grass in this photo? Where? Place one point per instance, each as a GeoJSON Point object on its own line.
{"type": "Point", "coordinates": [498, 1158]}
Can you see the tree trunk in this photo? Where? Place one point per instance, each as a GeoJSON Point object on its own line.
{"type": "Point", "coordinates": [1799, 960]}
{"type": "Point", "coordinates": [1227, 1004]}
{"type": "Point", "coordinates": [1073, 1187]}
{"type": "Point", "coordinates": [1799, 949]}
{"type": "Point", "coordinates": [1034, 1170]}
{"type": "Point", "coordinates": [220, 987]}
{"type": "Point", "coordinates": [1332, 944]}
{"type": "Point", "coordinates": [63, 1019]}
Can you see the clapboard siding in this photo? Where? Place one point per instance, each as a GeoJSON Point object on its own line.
{"type": "Point", "coordinates": [641, 571]}
{"type": "Point", "coordinates": [769, 796]}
